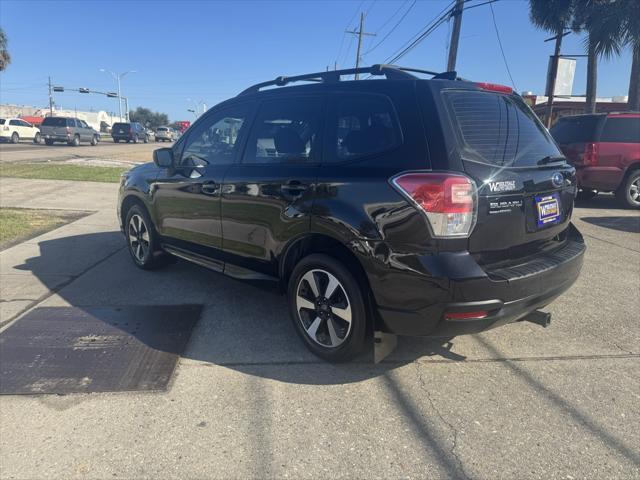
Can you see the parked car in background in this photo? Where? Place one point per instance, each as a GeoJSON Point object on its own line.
{"type": "Point", "coordinates": [72, 131]}
{"type": "Point", "coordinates": [428, 207]}
{"type": "Point", "coordinates": [14, 129]}
{"type": "Point", "coordinates": [605, 149]}
{"type": "Point", "coordinates": [129, 132]}
{"type": "Point", "coordinates": [165, 134]}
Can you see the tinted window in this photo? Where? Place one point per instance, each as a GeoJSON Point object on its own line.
{"type": "Point", "coordinates": [54, 122]}
{"type": "Point", "coordinates": [285, 131]}
{"type": "Point", "coordinates": [582, 129]}
{"type": "Point", "coordinates": [360, 125]}
{"type": "Point", "coordinates": [14, 122]}
{"type": "Point", "coordinates": [2, 120]}
{"type": "Point", "coordinates": [499, 129]}
{"type": "Point", "coordinates": [621, 129]}
{"type": "Point", "coordinates": [161, 129]}
{"type": "Point", "coordinates": [213, 139]}
{"type": "Point", "coordinates": [124, 126]}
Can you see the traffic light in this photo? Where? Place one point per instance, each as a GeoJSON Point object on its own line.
{"type": "Point", "coordinates": [112, 94]}
{"type": "Point", "coordinates": [58, 89]}
{"type": "Point", "coordinates": [84, 90]}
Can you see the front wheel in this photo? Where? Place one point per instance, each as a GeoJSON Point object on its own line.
{"type": "Point", "coordinates": [135, 139]}
{"type": "Point", "coordinates": [629, 192]}
{"type": "Point", "coordinates": [37, 138]}
{"type": "Point", "coordinates": [327, 307]}
{"type": "Point", "coordinates": [94, 141]}
{"type": "Point", "coordinates": [146, 139]}
{"type": "Point", "coordinates": [142, 239]}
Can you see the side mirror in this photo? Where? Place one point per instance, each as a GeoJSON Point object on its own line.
{"type": "Point", "coordinates": [163, 157]}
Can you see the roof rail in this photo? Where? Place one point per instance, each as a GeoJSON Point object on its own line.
{"type": "Point", "coordinates": [330, 76]}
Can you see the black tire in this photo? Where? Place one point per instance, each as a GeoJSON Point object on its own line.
{"type": "Point", "coordinates": [94, 141]}
{"type": "Point", "coordinates": [75, 142]}
{"type": "Point", "coordinates": [128, 140]}
{"type": "Point", "coordinates": [48, 142]}
{"type": "Point", "coordinates": [586, 194]}
{"type": "Point", "coordinates": [148, 256]}
{"type": "Point", "coordinates": [37, 138]}
{"type": "Point", "coordinates": [116, 140]}
{"type": "Point", "coordinates": [15, 138]}
{"type": "Point", "coordinates": [135, 139]}
{"type": "Point", "coordinates": [347, 339]}
{"type": "Point", "coordinates": [629, 192]}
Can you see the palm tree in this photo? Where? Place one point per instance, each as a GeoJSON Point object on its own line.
{"type": "Point", "coordinates": [5, 58]}
{"type": "Point", "coordinates": [629, 14]}
{"type": "Point", "coordinates": [554, 16]}
{"type": "Point", "coordinates": [600, 20]}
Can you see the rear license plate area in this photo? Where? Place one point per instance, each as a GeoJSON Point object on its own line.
{"type": "Point", "coordinates": [547, 210]}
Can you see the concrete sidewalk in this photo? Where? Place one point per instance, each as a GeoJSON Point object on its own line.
{"type": "Point", "coordinates": [20, 288]}
{"type": "Point", "coordinates": [249, 401]}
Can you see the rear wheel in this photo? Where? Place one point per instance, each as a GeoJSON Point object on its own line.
{"type": "Point", "coordinates": [135, 139]}
{"type": "Point", "coordinates": [327, 308]}
{"type": "Point", "coordinates": [37, 138]}
{"type": "Point", "coordinates": [586, 194]}
{"type": "Point", "coordinates": [15, 138]}
{"type": "Point", "coordinates": [629, 192]}
{"type": "Point", "coordinates": [116, 140]}
{"type": "Point", "coordinates": [142, 239]}
{"type": "Point", "coordinates": [146, 139]}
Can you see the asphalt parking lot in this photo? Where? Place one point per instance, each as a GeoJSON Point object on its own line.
{"type": "Point", "coordinates": [247, 399]}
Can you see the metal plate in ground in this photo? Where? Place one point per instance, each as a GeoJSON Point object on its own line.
{"type": "Point", "coordinates": [94, 349]}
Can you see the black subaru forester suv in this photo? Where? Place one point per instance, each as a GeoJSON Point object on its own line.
{"type": "Point", "coordinates": [423, 207]}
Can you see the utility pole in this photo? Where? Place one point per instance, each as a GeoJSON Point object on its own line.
{"type": "Point", "coordinates": [360, 33]}
{"type": "Point", "coordinates": [553, 73]}
{"type": "Point", "coordinates": [50, 98]}
{"type": "Point", "coordinates": [456, 13]}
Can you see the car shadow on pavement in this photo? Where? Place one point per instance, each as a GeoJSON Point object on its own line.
{"type": "Point", "coordinates": [242, 327]}
{"type": "Point", "coordinates": [629, 224]}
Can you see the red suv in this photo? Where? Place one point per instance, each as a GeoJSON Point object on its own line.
{"type": "Point", "coordinates": [605, 149]}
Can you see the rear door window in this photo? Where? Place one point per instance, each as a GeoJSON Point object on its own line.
{"type": "Point", "coordinates": [582, 129]}
{"type": "Point", "coordinates": [54, 122]}
{"type": "Point", "coordinates": [285, 131]}
{"type": "Point", "coordinates": [498, 129]}
{"type": "Point", "coordinates": [360, 125]}
{"type": "Point", "coordinates": [621, 130]}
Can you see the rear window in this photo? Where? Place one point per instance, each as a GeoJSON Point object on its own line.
{"type": "Point", "coordinates": [621, 130]}
{"type": "Point", "coordinates": [2, 120]}
{"type": "Point", "coordinates": [54, 122]}
{"type": "Point", "coordinates": [161, 129]}
{"type": "Point", "coordinates": [121, 125]}
{"type": "Point", "coordinates": [499, 129]}
{"type": "Point", "coordinates": [576, 130]}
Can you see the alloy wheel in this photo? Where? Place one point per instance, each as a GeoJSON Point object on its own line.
{"type": "Point", "coordinates": [138, 238]}
{"type": "Point", "coordinates": [324, 308]}
{"type": "Point", "coordinates": [634, 191]}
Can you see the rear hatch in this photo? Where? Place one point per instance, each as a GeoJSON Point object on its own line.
{"type": "Point", "coordinates": [525, 187]}
{"type": "Point", "coordinates": [121, 129]}
{"type": "Point", "coordinates": [54, 126]}
{"type": "Point", "coordinates": [577, 137]}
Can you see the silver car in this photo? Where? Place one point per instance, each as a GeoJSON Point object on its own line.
{"type": "Point", "coordinates": [165, 134]}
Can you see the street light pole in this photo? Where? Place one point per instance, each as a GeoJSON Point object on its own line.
{"type": "Point", "coordinates": [118, 77]}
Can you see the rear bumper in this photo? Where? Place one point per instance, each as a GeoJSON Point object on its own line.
{"type": "Point", "coordinates": [599, 178]}
{"type": "Point", "coordinates": [507, 294]}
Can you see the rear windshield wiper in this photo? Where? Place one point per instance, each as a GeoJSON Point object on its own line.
{"type": "Point", "coordinates": [552, 159]}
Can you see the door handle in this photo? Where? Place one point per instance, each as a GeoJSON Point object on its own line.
{"type": "Point", "coordinates": [209, 188]}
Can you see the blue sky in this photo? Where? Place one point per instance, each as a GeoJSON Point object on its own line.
{"type": "Point", "coordinates": [211, 50]}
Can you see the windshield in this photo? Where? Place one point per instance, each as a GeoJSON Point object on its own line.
{"type": "Point", "coordinates": [498, 129]}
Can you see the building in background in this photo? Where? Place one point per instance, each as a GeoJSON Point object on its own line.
{"type": "Point", "coordinates": [563, 106]}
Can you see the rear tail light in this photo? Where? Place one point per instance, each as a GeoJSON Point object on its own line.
{"type": "Point", "coordinates": [590, 156]}
{"type": "Point", "coordinates": [493, 87]}
{"type": "Point", "coordinates": [449, 201]}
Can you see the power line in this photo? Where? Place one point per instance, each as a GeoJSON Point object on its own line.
{"type": "Point", "coordinates": [388, 20]}
{"type": "Point", "coordinates": [424, 33]}
{"type": "Point", "coordinates": [392, 29]}
{"type": "Point", "coordinates": [504, 58]}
